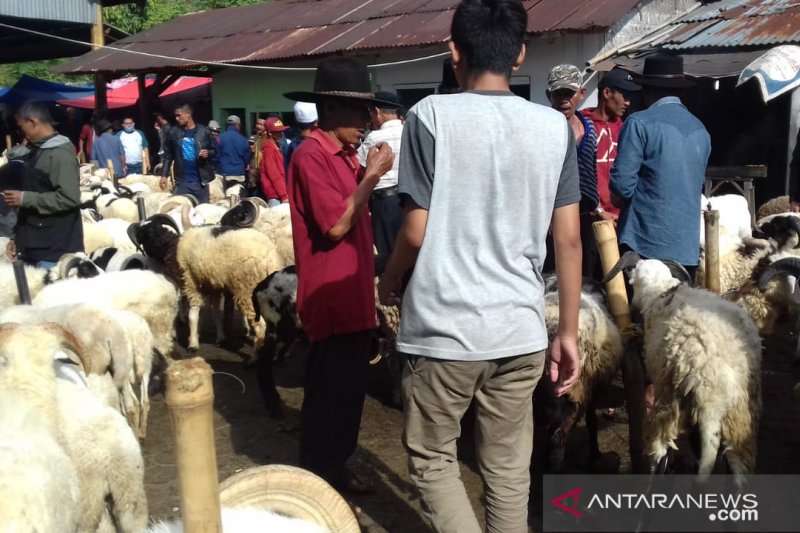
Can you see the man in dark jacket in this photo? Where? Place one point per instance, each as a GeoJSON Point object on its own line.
{"type": "Point", "coordinates": [233, 156]}
{"type": "Point", "coordinates": [49, 219]}
{"type": "Point", "coordinates": [190, 148]}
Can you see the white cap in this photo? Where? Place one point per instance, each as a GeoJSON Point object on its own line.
{"type": "Point", "coordinates": [305, 112]}
{"type": "Point", "coordinates": [233, 119]}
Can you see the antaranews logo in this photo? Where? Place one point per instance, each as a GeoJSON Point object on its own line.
{"type": "Point", "coordinates": [573, 494]}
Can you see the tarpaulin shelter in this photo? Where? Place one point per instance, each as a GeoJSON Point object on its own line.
{"type": "Point", "coordinates": [30, 88]}
{"type": "Point", "coordinates": [127, 93]}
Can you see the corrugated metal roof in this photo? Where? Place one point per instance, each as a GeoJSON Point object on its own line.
{"type": "Point", "coordinates": [78, 11]}
{"type": "Point", "coordinates": [734, 23]}
{"type": "Point", "coordinates": [292, 29]}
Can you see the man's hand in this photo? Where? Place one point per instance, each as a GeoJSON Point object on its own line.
{"type": "Point", "coordinates": [794, 207]}
{"type": "Point", "coordinates": [12, 198]}
{"type": "Point", "coordinates": [11, 250]}
{"type": "Point", "coordinates": [564, 363]}
{"type": "Point", "coordinates": [605, 215]}
{"type": "Point", "coordinates": [163, 183]}
{"type": "Point", "coordinates": [380, 159]}
{"type": "Point", "coordinates": [81, 158]}
{"type": "Point", "coordinates": [203, 153]}
{"type": "Point", "coordinates": [386, 293]}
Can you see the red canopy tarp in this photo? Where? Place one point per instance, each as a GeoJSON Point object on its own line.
{"type": "Point", "coordinates": [127, 94]}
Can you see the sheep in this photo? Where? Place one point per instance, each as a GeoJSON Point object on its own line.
{"type": "Point", "coordinates": [211, 260]}
{"type": "Point", "coordinates": [118, 229]}
{"type": "Point", "coordinates": [600, 350]}
{"type": "Point", "coordinates": [153, 183]}
{"type": "Point", "coordinates": [737, 265]}
{"type": "Point", "coordinates": [39, 486]}
{"type": "Point", "coordinates": [275, 298]}
{"type": "Point", "coordinates": [105, 344]}
{"type": "Point", "coordinates": [248, 520]}
{"type": "Point", "coordinates": [96, 439]}
{"type": "Point", "coordinates": [704, 356]}
{"type": "Point", "coordinates": [734, 219]}
{"type": "Point", "coordinates": [773, 206]}
{"type": "Point", "coordinates": [68, 266]}
{"type": "Point", "coordinates": [783, 230]}
{"type": "Point", "coordinates": [142, 292]}
{"type": "Point", "coordinates": [772, 297]}
{"type": "Point", "coordinates": [113, 260]}
{"type": "Point", "coordinates": [113, 206]}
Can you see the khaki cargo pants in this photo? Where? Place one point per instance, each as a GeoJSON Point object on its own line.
{"type": "Point", "coordinates": [436, 394]}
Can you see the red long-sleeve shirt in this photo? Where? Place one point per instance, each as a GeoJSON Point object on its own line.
{"type": "Point", "coordinates": [273, 178]}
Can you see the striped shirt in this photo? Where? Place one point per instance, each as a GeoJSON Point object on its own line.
{"type": "Point", "coordinates": [587, 166]}
{"type": "Point", "coordinates": [390, 132]}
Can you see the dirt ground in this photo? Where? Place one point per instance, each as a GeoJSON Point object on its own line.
{"type": "Point", "coordinates": [246, 436]}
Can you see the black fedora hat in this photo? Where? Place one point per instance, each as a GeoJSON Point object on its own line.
{"type": "Point", "coordinates": [664, 70]}
{"type": "Point", "coordinates": [340, 78]}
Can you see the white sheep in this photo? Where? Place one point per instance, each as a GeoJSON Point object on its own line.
{"type": "Point", "coordinates": [248, 520]}
{"type": "Point", "coordinates": [704, 356]}
{"type": "Point", "coordinates": [114, 206]}
{"type": "Point", "coordinates": [96, 439]}
{"type": "Point", "coordinates": [142, 292]}
{"type": "Point", "coordinates": [600, 351]}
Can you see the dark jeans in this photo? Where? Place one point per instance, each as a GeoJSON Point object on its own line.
{"type": "Point", "coordinates": [692, 270]}
{"type": "Point", "coordinates": [387, 216]}
{"type": "Point", "coordinates": [134, 168]}
{"type": "Point", "coordinates": [195, 188]}
{"type": "Point", "coordinates": [591, 266]}
{"type": "Point", "coordinates": [334, 397]}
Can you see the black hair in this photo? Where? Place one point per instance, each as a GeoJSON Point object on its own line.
{"type": "Point", "coordinates": [185, 107]}
{"type": "Point", "coordinates": [35, 110]}
{"type": "Point", "coordinates": [490, 34]}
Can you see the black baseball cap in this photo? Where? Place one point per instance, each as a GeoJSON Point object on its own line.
{"type": "Point", "coordinates": [619, 79]}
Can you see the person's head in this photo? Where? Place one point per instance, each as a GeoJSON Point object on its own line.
{"type": "Point", "coordinates": [183, 115]}
{"type": "Point", "coordinates": [565, 89]}
{"type": "Point", "coordinates": [128, 125]}
{"type": "Point", "coordinates": [102, 126]}
{"type": "Point", "coordinates": [34, 120]}
{"type": "Point", "coordinates": [70, 113]}
{"type": "Point", "coordinates": [305, 113]}
{"type": "Point", "coordinates": [614, 93]}
{"type": "Point", "coordinates": [662, 76]}
{"type": "Point", "coordinates": [379, 114]}
{"type": "Point", "coordinates": [161, 120]}
{"type": "Point", "coordinates": [235, 121]}
{"type": "Point", "coordinates": [487, 36]}
{"type": "Point", "coordinates": [274, 127]}
{"type": "Point", "coordinates": [213, 127]}
{"type": "Point", "coordinates": [260, 126]}
{"type": "Point", "coordinates": [343, 94]}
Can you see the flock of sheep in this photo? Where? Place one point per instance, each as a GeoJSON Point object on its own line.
{"type": "Point", "coordinates": [75, 366]}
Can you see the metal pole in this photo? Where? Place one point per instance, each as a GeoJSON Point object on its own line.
{"type": "Point", "coordinates": [190, 400]}
{"type": "Point", "coordinates": [22, 282]}
{"type": "Point", "coordinates": [142, 211]}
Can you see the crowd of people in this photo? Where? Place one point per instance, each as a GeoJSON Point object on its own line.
{"type": "Point", "coordinates": [462, 219]}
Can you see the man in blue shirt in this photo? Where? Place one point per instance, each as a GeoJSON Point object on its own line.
{"type": "Point", "coordinates": [189, 147]}
{"type": "Point", "coordinates": [659, 172]}
{"type": "Point", "coordinates": [108, 147]}
{"type": "Point", "coordinates": [233, 156]}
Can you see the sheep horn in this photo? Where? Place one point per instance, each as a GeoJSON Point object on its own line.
{"type": "Point", "coordinates": [185, 219]}
{"type": "Point", "coordinates": [164, 220]}
{"type": "Point", "coordinates": [628, 260]}
{"type": "Point", "coordinates": [132, 231]}
{"type": "Point", "coordinates": [66, 263]}
{"type": "Point", "coordinates": [252, 211]}
{"type": "Point", "coordinates": [678, 271]}
{"type": "Point", "coordinates": [243, 215]}
{"type": "Point", "coordinates": [134, 262]}
{"type": "Point", "coordinates": [70, 342]}
{"type": "Point", "coordinates": [125, 192]}
{"type": "Point", "coordinates": [170, 204]}
{"type": "Point", "coordinates": [787, 265]}
{"type": "Point", "coordinates": [192, 198]}
{"type": "Point", "coordinates": [757, 242]}
{"type": "Point", "coordinates": [794, 223]}
{"type": "Point", "coordinates": [258, 201]}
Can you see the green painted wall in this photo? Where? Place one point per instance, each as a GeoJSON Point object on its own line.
{"type": "Point", "coordinates": [256, 91]}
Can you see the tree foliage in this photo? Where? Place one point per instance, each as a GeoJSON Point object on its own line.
{"type": "Point", "coordinates": [129, 18]}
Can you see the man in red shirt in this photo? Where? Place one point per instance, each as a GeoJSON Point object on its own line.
{"type": "Point", "coordinates": [328, 195]}
{"type": "Point", "coordinates": [273, 178]}
{"type": "Point", "coordinates": [613, 96]}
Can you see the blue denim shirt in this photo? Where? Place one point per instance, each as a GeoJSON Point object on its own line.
{"type": "Point", "coordinates": [659, 172]}
{"type": "Point", "coordinates": [233, 153]}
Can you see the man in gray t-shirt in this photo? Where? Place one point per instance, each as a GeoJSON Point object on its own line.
{"type": "Point", "coordinates": [477, 210]}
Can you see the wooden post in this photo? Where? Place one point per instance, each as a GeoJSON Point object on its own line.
{"type": "Point", "coordinates": [190, 400]}
{"type": "Point", "coordinates": [145, 162]}
{"type": "Point", "coordinates": [711, 219]}
{"type": "Point", "coordinates": [632, 371]}
{"type": "Point", "coordinates": [9, 142]}
{"type": "Point", "coordinates": [98, 41]}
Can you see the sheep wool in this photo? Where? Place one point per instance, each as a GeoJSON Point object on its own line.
{"type": "Point", "coordinates": [704, 356]}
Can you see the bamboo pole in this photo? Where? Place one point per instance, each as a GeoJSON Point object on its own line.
{"type": "Point", "coordinates": [98, 41]}
{"type": "Point", "coordinates": [711, 219]}
{"type": "Point", "coordinates": [632, 371]}
{"type": "Point", "coordinates": [145, 162]}
{"type": "Point", "coordinates": [9, 142]}
{"type": "Point", "coordinates": [190, 399]}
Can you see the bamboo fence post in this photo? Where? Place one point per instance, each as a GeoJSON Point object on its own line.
{"type": "Point", "coordinates": [632, 371]}
{"type": "Point", "coordinates": [190, 399]}
{"type": "Point", "coordinates": [711, 219]}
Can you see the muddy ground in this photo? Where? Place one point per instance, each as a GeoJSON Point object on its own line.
{"type": "Point", "coordinates": [246, 436]}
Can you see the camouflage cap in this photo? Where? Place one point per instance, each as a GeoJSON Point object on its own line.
{"type": "Point", "coordinates": [564, 77]}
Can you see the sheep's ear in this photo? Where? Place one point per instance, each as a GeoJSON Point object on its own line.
{"type": "Point", "coordinates": [628, 260]}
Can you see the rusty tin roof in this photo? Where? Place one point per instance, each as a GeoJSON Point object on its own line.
{"type": "Point", "coordinates": [300, 29]}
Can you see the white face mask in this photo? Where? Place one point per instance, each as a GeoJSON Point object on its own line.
{"type": "Point", "coordinates": [128, 129]}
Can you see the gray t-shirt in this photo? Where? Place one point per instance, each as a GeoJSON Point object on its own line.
{"type": "Point", "coordinates": [489, 167]}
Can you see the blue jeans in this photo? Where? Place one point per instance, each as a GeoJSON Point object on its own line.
{"type": "Point", "coordinates": [134, 168]}
{"type": "Point", "coordinates": [47, 265]}
{"type": "Point", "coordinates": [195, 188]}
